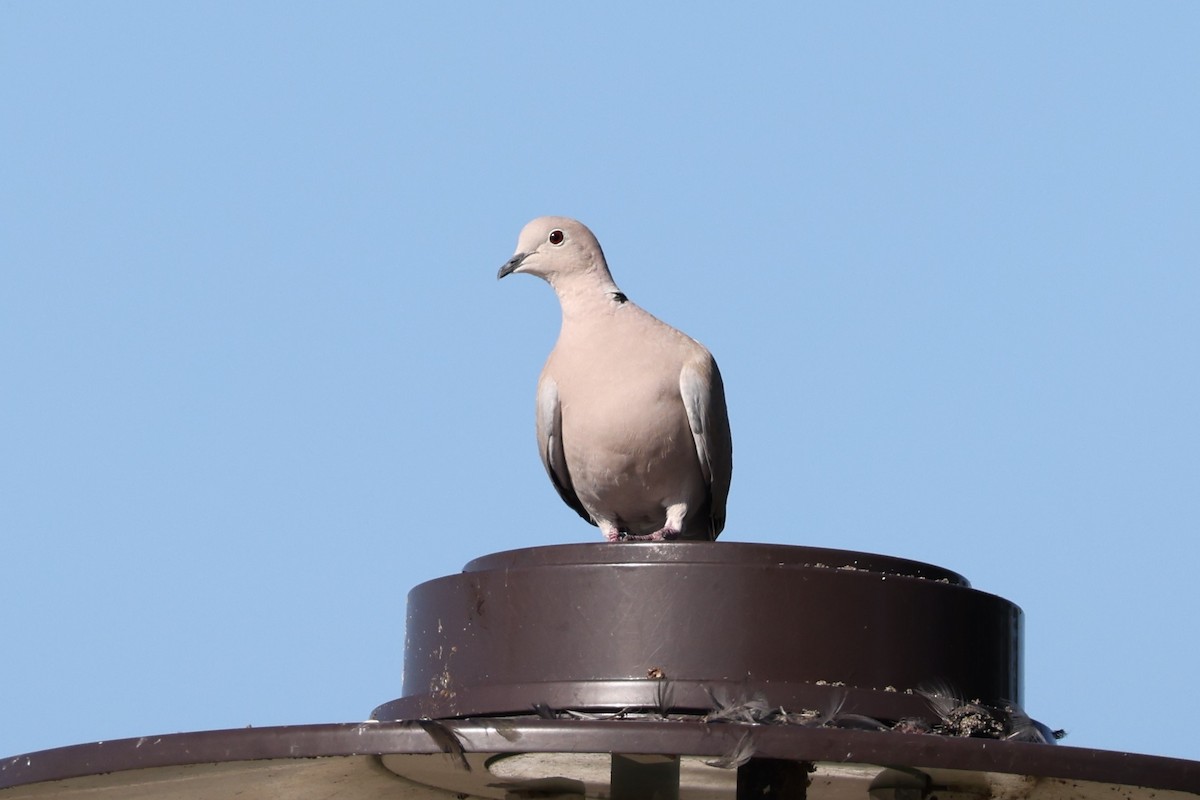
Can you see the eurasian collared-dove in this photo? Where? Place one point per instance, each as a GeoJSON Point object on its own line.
{"type": "Point", "coordinates": [631, 419]}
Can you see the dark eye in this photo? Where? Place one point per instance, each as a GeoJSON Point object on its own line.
{"type": "Point", "coordinates": [556, 237]}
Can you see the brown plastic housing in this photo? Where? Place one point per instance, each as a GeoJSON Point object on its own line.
{"type": "Point", "coordinates": [689, 626]}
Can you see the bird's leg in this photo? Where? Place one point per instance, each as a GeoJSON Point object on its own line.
{"type": "Point", "coordinates": [673, 528]}
{"type": "Point", "coordinates": [610, 530]}
{"type": "Point", "coordinates": [666, 533]}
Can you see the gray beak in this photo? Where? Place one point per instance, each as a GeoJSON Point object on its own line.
{"type": "Point", "coordinates": [511, 265]}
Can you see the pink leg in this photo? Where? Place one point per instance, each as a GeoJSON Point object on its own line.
{"type": "Point", "coordinates": [674, 526]}
{"type": "Point", "coordinates": [668, 532]}
{"type": "Point", "coordinates": [662, 535]}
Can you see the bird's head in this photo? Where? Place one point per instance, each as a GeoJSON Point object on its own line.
{"type": "Point", "coordinates": [558, 250]}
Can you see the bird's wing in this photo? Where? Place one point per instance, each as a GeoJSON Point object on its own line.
{"type": "Point", "coordinates": [703, 395]}
{"type": "Point", "coordinates": [550, 446]}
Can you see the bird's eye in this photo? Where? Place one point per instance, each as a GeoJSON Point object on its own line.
{"type": "Point", "coordinates": [556, 236]}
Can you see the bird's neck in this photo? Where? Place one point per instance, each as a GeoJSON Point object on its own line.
{"type": "Point", "coordinates": [588, 300]}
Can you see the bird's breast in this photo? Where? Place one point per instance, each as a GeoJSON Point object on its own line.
{"type": "Point", "coordinates": [631, 437]}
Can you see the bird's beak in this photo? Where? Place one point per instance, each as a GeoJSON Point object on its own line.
{"type": "Point", "coordinates": [511, 265]}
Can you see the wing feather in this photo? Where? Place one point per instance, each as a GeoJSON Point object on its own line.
{"type": "Point", "coordinates": [703, 395]}
{"type": "Point", "coordinates": [550, 446]}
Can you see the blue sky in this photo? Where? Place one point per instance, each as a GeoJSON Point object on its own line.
{"type": "Point", "coordinates": [257, 378]}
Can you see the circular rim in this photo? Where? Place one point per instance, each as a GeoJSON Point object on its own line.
{"type": "Point", "coordinates": [666, 737]}
{"type": "Point", "coordinates": [746, 553]}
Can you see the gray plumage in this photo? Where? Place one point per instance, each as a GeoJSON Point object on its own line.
{"type": "Point", "coordinates": [631, 419]}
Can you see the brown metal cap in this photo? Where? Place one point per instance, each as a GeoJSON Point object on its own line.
{"type": "Point", "coordinates": [684, 626]}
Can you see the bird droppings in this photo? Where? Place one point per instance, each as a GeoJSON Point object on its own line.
{"type": "Point", "coordinates": [948, 716]}
{"type": "Point", "coordinates": [958, 716]}
{"type": "Point", "coordinates": [882, 574]}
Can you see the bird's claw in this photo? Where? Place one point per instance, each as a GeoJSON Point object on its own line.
{"type": "Point", "coordinates": [663, 535]}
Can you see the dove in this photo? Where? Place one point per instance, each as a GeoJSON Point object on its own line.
{"type": "Point", "coordinates": [631, 423]}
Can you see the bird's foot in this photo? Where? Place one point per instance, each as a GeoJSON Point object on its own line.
{"type": "Point", "coordinates": [663, 535]}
